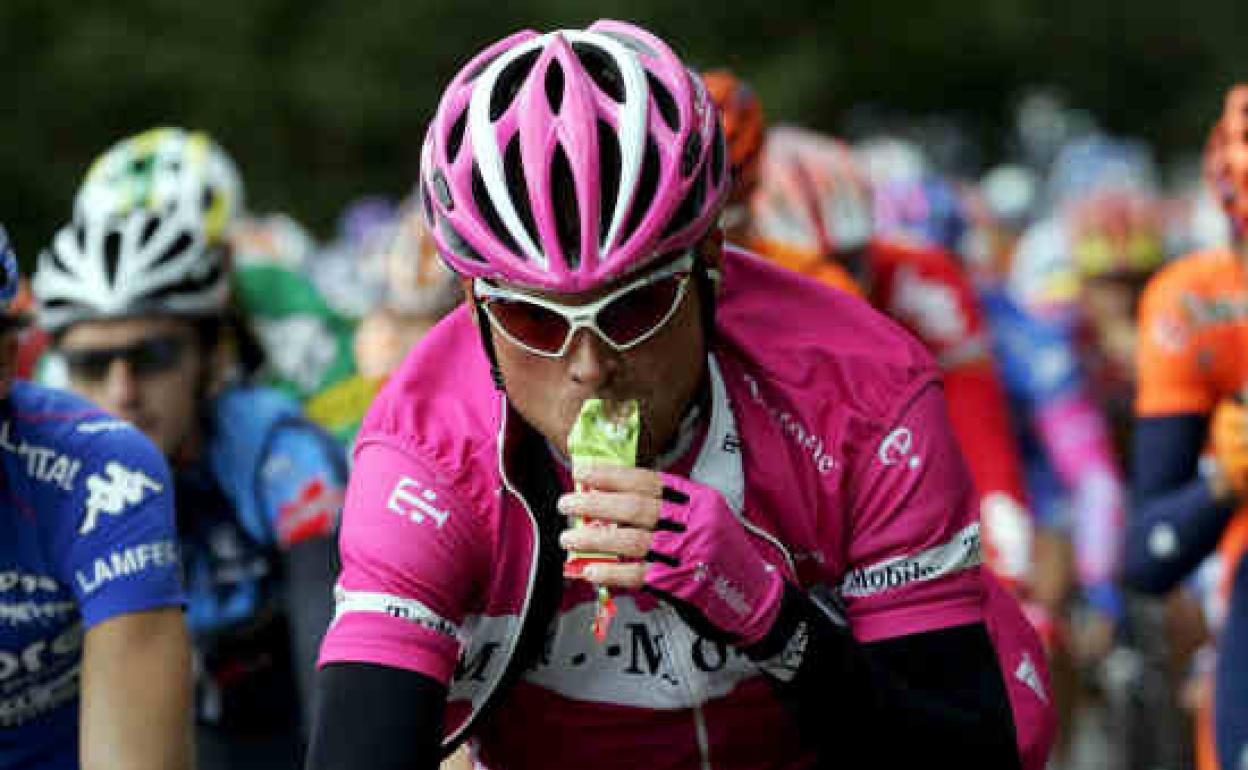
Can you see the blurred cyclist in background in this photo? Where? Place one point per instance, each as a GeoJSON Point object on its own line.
{"type": "Point", "coordinates": [135, 292]}
{"type": "Point", "coordinates": [810, 211]}
{"type": "Point", "coordinates": [416, 287]}
{"type": "Point", "coordinates": [304, 332]}
{"type": "Point", "coordinates": [95, 661]}
{"type": "Point", "coordinates": [1190, 477]}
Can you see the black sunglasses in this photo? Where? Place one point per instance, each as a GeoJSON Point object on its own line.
{"type": "Point", "coordinates": [155, 355]}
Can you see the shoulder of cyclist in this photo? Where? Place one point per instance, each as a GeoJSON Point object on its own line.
{"type": "Point", "coordinates": [104, 497]}
{"type": "Point", "coordinates": [1185, 359]}
{"type": "Point", "coordinates": [284, 473]}
{"type": "Point", "coordinates": [930, 293]}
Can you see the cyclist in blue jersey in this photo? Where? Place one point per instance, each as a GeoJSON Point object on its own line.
{"type": "Point", "coordinates": [95, 664]}
{"type": "Point", "coordinates": [135, 294]}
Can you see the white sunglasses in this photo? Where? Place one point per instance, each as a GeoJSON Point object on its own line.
{"type": "Point", "coordinates": [623, 319]}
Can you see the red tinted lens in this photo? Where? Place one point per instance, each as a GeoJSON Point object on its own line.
{"type": "Point", "coordinates": [638, 312]}
{"type": "Point", "coordinates": [535, 326]}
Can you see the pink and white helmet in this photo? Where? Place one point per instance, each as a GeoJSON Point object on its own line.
{"type": "Point", "coordinates": [565, 160]}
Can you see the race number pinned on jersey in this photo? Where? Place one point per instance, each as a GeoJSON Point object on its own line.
{"type": "Point", "coordinates": [115, 491]}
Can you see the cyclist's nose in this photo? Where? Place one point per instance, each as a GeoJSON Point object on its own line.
{"type": "Point", "coordinates": [121, 387]}
{"type": "Point", "coordinates": [590, 359]}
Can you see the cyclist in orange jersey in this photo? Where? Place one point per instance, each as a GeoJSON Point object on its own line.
{"type": "Point", "coordinates": [1190, 479]}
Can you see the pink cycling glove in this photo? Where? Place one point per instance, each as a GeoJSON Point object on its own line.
{"type": "Point", "coordinates": [705, 563]}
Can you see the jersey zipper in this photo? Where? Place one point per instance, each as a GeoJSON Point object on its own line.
{"type": "Point", "coordinates": [507, 488]}
{"type": "Point", "coordinates": [672, 625]}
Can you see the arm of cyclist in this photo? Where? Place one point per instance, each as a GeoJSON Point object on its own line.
{"type": "Point", "coordinates": [872, 678]}
{"type": "Point", "coordinates": [933, 297]}
{"type": "Point", "coordinates": [1179, 513]}
{"type": "Point", "coordinates": [135, 727]}
{"type": "Point", "coordinates": [303, 493]}
{"type": "Point", "coordinates": [980, 416]}
{"type": "Point", "coordinates": [400, 730]}
{"type": "Point", "coordinates": [399, 663]}
{"type": "Point", "coordinates": [121, 558]}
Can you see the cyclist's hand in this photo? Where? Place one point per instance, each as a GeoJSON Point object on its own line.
{"type": "Point", "coordinates": [1230, 444]}
{"type": "Point", "coordinates": [678, 539]}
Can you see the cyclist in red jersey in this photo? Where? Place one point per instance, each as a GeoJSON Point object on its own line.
{"type": "Point", "coordinates": [804, 203]}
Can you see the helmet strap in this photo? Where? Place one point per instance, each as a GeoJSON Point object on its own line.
{"type": "Point", "coordinates": [707, 286]}
{"type": "Point", "coordinates": [487, 343]}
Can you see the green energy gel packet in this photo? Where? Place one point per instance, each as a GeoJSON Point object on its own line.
{"type": "Point", "coordinates": [605, 433]}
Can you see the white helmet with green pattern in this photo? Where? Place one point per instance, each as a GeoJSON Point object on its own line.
{"type": "Point", "coordinates": [161, 169]}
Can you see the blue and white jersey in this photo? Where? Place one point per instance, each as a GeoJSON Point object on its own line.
{"type": "Point", "coordinates": [87, 533]}
{"type": "Point", "coordinates": [268, 481]}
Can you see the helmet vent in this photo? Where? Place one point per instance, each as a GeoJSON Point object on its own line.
{"type": "Point", "coordinates": [177, 248]}
{"type": "Point", "coordinates": [518, 188]}
{"type": "Point", "coordinates": [554, 86]}
{"type": "Point", "coordinates": [567, 213]}
{"type": "Point", "coordinates": [689, 207]}
{"type": "Point", "coordinates": [665, 102]}
{"type": "Point", "coordinates": [481, 197]}
{"type": "Point", "coordinates": [55, 255]}
{"type": "Point", "coordinates": [691, 154]}
{"type": "Point", "coordinates": [717, 158]}
{"type": "Point", "coordinates": [647, 185]}
{"type": "Point", "coordinates": [602, 70]}
{"type": "Point", "coordinates": [426, 202]}
{"type": "Point", "coordinates": [462, 248]}
{"type": "Point", "coordinates": [455, 138]}
{"type": "Point", "coordinates": [509, 82]}
{"type": "Point", "coordinates": [443, 191]}
{"type": "Point", "coordinates": [191, 285]}
{"type": "Point", "coordinates": [112, 255]}
{"type": "Point", "coordinates": [208, 199]}
{"type": "Point", "coordinates": [609, 174]}
{"type": "Point", "coordinates": [149, 230]}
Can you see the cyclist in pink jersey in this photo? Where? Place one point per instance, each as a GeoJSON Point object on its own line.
{"type": "Point", "coordinates": [799, 579]}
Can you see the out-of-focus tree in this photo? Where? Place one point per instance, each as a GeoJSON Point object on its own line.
{"type": "Point", "coordinates": [324, 100]}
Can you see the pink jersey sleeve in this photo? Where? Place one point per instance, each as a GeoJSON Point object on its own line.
{"type": "Point", "coordinates": [914, 552]}
{"type": "Point", "coordinates": [411, 561]}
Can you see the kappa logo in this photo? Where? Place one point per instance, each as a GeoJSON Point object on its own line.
{"type": "Point", "coordinates": [1028, 674]}
{"type": "Point", "coordinates": [897, 447]}
{"type": "Point", "coordinates": [114, 492]}
{"type": "Point", "coordinates": [414, 500]}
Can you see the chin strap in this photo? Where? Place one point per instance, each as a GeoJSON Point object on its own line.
{"type": "Point", "coordinates": [487, 343]}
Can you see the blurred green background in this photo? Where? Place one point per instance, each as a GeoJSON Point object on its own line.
{"type": "Point", "coordinates": [320, 101]}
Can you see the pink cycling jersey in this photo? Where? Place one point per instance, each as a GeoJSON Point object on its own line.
{"type": "Point", "coordinates": [828, 438]}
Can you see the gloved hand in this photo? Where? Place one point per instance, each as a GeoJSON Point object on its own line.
{"type": "Point", "coordinates": [703, 557]}
{"type": "Point", "coordinates": [685, 544]}
{"type": "Point", "coordinates": [1229, 430]}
